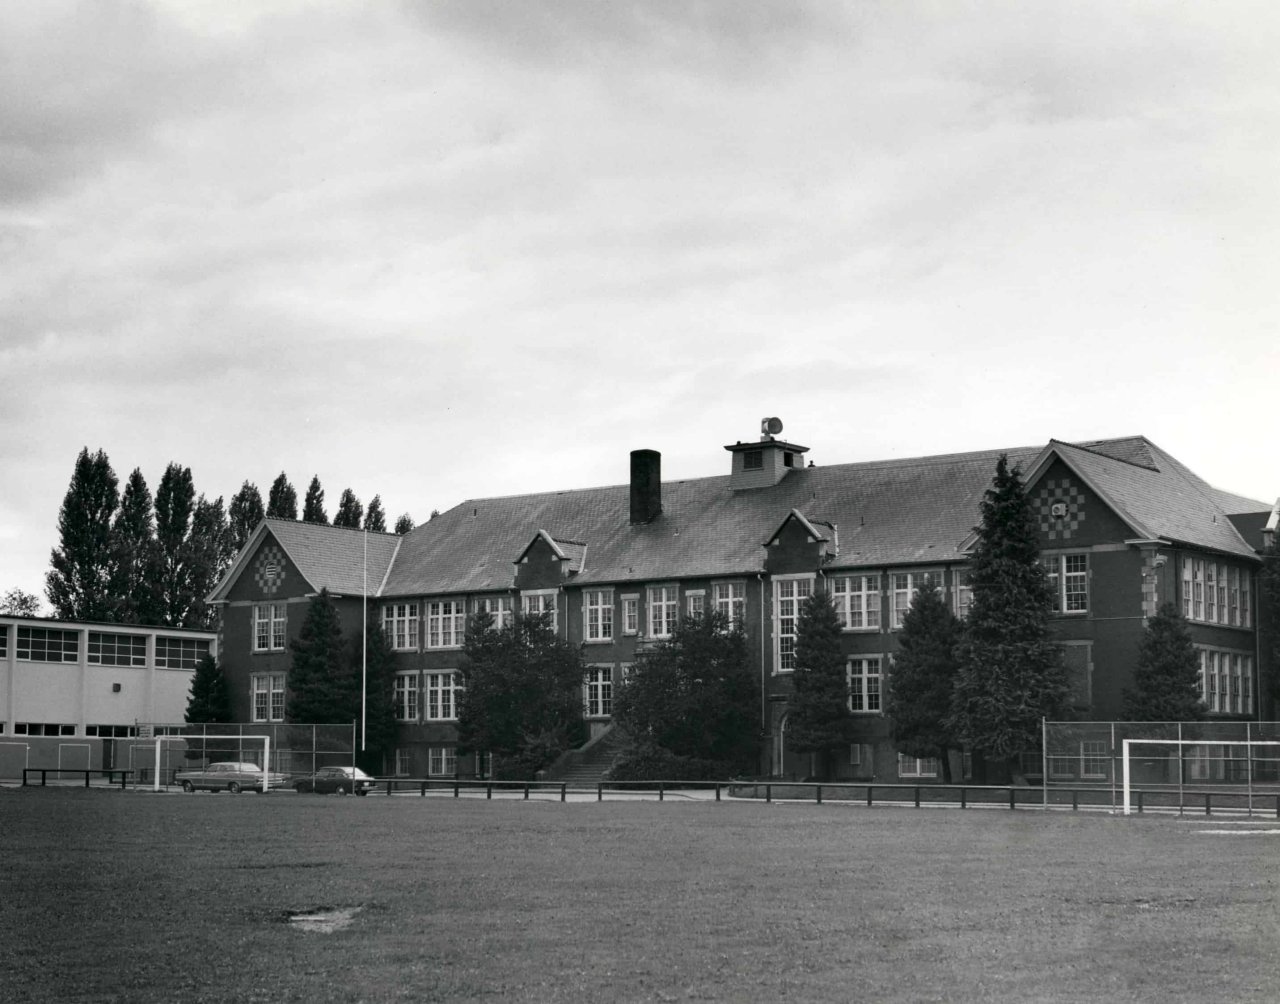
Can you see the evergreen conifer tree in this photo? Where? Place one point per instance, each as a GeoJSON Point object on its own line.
{"type": "Point", "coordinates": [404, 524]}
{"type": "Point", "coordinates": [818, 717]}
{"type": "Point", "coordinates": [375, 517]}
{"type": "Point", "coordinates": [244, 514]}
{"type": "Point", "coordinates": [210, 698]}
{"type": "Point", "coordinates": [77, 583]}
{"type": "Point", "coordinates": [379, 711]}
{"type": "Point", "coordinates": [1011, 671]}
{"type": "Point", "coordinates": [1167, 676]}
{"type": "Point", "coordinates": [922, 683]}
{"type": "Point", "coordinates": [323, 687]}
{"type": "Point", "coordinates": [175, 502]}
{"type": "Point", "coordinates": [282, 500]}
{"type": "Point", "coordinates": [313, 505]}
{"type": "Point", "coordinates": [134, 557]}
{"type": "Point", "coordinates": [350, 511]}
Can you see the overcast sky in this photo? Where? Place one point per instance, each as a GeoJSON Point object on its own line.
{"type": "Point", "coordinates": [447, 250]}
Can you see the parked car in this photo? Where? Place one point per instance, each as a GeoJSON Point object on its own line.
{"type": "Point", "coordinates": [229, 776]}
{"type": "Point", "coordinates": [343, 780]}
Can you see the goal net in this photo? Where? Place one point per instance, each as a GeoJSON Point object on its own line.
{"type": "Point", "coordinates": [222, 753]}
{"type": "Point", "coordinates": [1253, 762]}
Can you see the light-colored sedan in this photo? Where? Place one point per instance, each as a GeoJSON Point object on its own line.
{"type": "Point", "coordinates": [228, 776]}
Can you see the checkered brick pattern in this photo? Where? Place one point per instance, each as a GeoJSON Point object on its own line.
{"type": "Point", "coordinates": [268, 570]}
{"type": "Point", "coordinates": [1060, 491]}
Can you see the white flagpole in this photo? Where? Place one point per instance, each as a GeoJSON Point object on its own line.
{"type": "Point", "coordinates": [364, 634]}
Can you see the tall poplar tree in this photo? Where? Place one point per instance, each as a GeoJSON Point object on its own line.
{"type": "Point", "coordinates": [132, 588]}
{"type": "Point", "coordinates": [175, 502]}
{"type": "Point", "coordinates": [818, 717]}
{"type": "Point", "coordinates": [209, 553]}
{"type": "Point", "coordinates": [244, 514]}
{"type": "Point", "coordinates": [920, 688]}
{"type": "Point", "coordinates": [375, 517]}
{"type": "Point", "coordinates": [282, 501]}
{"type": "Point", "coordinates": [1167, 676]}
{"type": "Point", "coordinates": [323, 686]}
{"type": "Point", "coordinates": [313, 505]}
{"type": "Point", "coordinates": [1011, 671]}
{"type": "Point", "coordinates": [350, 511]}
{"type": "Point", "coordinates": [81, 564]}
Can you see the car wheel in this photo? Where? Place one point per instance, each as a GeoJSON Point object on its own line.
{"type": "Point", "coordinates": [188, 787]}
{"type": "Point", "coordinates": [300, 787]}
{"type": "Point", "coordinates": [343, 790]}
{"type": "Point", "coordinates": [234, 787]}
{"type": "Point", "coordinates": [363, 791]}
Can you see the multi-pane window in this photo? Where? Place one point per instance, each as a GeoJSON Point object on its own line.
{"type": "Point", "coordinates": [1068, 576]}
{"type": "Point", "coordinates": [905, 585]}
{"type": "Point", "coordinates": [4, 641]}
{"type": "Point", "coordinates": [695, 603]}
{"type": "Point", "coordinates": [598, 614]}
{"type": "Point", "coordinates": [180, 653]}
{"type": "Point", "coordinates": [111, 731]}
{"type": "Point", "coordinates": [599, 691]}
{"type": "Point", "coordinates": [788, 594]}
{"type": "Point", "coordinates": [731, 601]}
{"type": "Point", "coordinates": [1210, 592]}
{"type": "Point", "coordinates": [446, 623]}
{"type": "Point", "coordinates": [406, 697]}
{"type": "Point", "coordinates": [442, 690]}
{"type": "Point", "coordinates": [268, 697]}
{"type": "Point", "coordinates": [1216, 593]}
{"type": "Point", "coordinates": [484, 765]}
{"type": "Point", "coordinates": [864, 684]}
{"type": "Point", "coordinates": [497, 607]}
{"type": "Point", "coordinates": [664, 610]}
{"type": "Point", "coordinates": [913, 766]}
{"type": "Point", "coordinates": [268, 627]}
{"type": "Point", "coordinates": [539, 602]}
{"type": "Point", "coordinates": [404, 762]}
{"type": "Point", "coordinates": [111, 649]}
{"type": "Point", "coordinates": [442, 761]}
{"type": "Point", "coordinates": [48, 645]}
{"type": "Point", "coordinates": [1226, 681]}
{"type": "Point", "coordinates": [400, 625]}
{"type": "Point", "coordinates": [857, 601]}
{"type": "Point", "coordinates": [631, 614]}
{"type": "Point", "coordinates": [43, 729]}
{"type": "Point", "coordinates": [963, 591]}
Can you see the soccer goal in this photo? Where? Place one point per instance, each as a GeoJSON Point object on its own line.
{"type": "Point", "coordinates": [220, 741]}
{"type": "Point", "coordinates": [1207, 757]}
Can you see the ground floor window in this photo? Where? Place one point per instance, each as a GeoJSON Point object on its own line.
{"type": "Point", "coordinates": [442, 761]}
{"type": "Point", "coordinates": [43, 729]}
{"type": "Point", "coordinates": [912, 766]}
{"type": "Point", "coordinates": [484, 765]}
{"type": "Point", "coordinates": [111, 731]}
{"type": "Point", "coordinates": [599, 692]}
{"type": "Point", "coordinates": [404, 762]}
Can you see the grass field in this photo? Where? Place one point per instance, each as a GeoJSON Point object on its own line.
{"type": "Point", "coordinates": [130, 897]}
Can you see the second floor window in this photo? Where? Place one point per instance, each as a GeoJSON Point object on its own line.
{"type": "Point", "coordinates": [497, 607]}
{"type": "Point", "coordinates": [864, 684]}
{"type": "Point", "coordinates": [268, 627]}
{"type": "Point", "coordinates": [905, 585]}
{"type": "Point", "coordinates": [1069, 582]}
{"type": "Point", "coordinates": [598, 614]}
{"type": "Point", "coordinates": [788, 594]}
{"type": "Point", "coordinates": [731, 601]}
{"type": "Point", "coordinates": [442, 690]}
{"type": "Point", "coordinates": [48, 645]}
{"type": "Point", "coordinates": [446, 623]}
{"type": "Point", "coordinates": [857, 601]}
{"type": "Point", "coordinates": [400, 625]}
{"type": "Point", "coordinates": [110, 649]}
{"type": "Point", "coordinates": [631, 614]}
{"type": "Point", "coordinates": [406, 697]}
{"type": "Point", "coordinates": [541, 602]}
{"type": "Point", "coordinates": [664, 608]}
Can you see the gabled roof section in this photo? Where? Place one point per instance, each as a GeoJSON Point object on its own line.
{"type": "Point", "coordinates": [808, 526]}
{"type": "Point", "coordinates": [328, 557]}
{"type": "Point", "coordinates": [572, 551]}
{"type": "Point", "coordinates": [1153, 492]}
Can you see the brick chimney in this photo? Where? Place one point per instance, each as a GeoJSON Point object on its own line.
{"type": "Point", "coordinates": [646, 485]}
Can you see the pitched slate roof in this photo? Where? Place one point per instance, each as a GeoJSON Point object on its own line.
{"type": "Point", "coordinates": [328, 557]}
{"type": "Point", "coordinates": [1156, 494]}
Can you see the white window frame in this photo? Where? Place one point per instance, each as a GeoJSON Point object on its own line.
{"type": "Point", "coordinates": [962, 591]}
{"type": "Point", "coordinates": [789, 592]}
{"type": "Point", "coordinates": [857, 600]}
{"type": "Point", "coordinates": [270, 687]}
{"type": "Point", "coordinates": [903, 587]}
{"type": "Point", "coordinates": [1069, 582]}
{"type": "Point", "coordinates": [270, 626]}
{"type": "Point", "coordinates": [597, 616]}
{"type": "Point", "coordinates": [442, 761]}
{"type": "Point", "coordinates": [446, 624]}
{"type": "Point", "coordinates": [440, 695]}
{"type": "Point", "coordinates": [37, 644]}
{"type": "Point", "coordinates": [116, 648]}
{"type": "Point", "coordinates": [730, 599]}
{"type": "Point", "coordinates": [1226, 680]}
{"type": "Point", "coordinates": [542, 601]}
{"type": "Point", "coordinates": [917, 766]}
{"type": "Point", "coordinates": [695, 602]}
{"type": "Point", "coordinates": [865, 675]}
{"type": "Point", "coordinates": [597, 692]}
{"type": "Point", "coordinates": [630, 614]}
{"type": "Point", "coordinates": [663, 603]}
{"type": "Point", "coordinates": [400, 625]}
{"type": "Point", "coordinates": [500, 608]}
{"type": "Point", "coordinates": [408, 696]}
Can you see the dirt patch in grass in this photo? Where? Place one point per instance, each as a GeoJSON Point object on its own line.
{"type": "Point", "coordinates": [117, 896]}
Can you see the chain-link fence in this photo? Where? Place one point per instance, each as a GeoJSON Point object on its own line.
{"type": "Point", "coordinates": [1184, 765]}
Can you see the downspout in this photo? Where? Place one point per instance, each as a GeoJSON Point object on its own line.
{"type": "Point", "coordinates": [764, 695]}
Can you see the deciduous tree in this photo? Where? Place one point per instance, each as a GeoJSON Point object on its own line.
{"type": "Point", "coordinates": [282, 500]}
{"type": "Point", "coordinates": [175, 503]}
{"type": "Point", "coordinates": [132, 588]}
{"type": "Point", "coordinates": [819, 720]}
{"type": "Point", "coordinates": [922, 684]}
{"type": "Point", "coordinates": [404, 524]}
{"type": "Point", "coordinates": [1166, 677]}
{"type": "Point", "coordinates": [209, 554]}
{"type": "Point", "coordinates": [313, 504]}
{"type": "Point", "coordinates": [19, 603]}
{"type": "Point", "coordinates": [350, 511]}
{"type": "Point", "coordinates": [375, 517]}
{"type": "Point", "coordinates": [244, 514]}
{"type": "Point", "coordinates": [81, 564]}
{"type": "Point", "coordinates": [1011, 671]}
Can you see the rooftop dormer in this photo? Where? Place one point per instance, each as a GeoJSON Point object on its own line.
{"type": "Point", "coordinates": [764, 463]}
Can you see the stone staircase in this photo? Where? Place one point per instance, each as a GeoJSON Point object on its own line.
{"type": "Point", "coordinates": [586, 766]}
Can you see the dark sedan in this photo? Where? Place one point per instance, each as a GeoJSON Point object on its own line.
{"type": "Point", "coordinates": [342, 780]}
